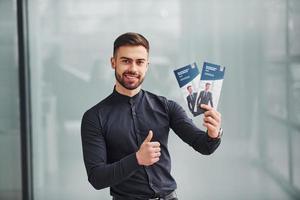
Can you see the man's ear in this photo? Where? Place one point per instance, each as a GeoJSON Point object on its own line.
{"type": "Point", "coordinates": [113, 62]}
{"type": "Point", "coordinates": [147, 66]}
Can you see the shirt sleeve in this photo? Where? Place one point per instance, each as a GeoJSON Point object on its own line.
{"type": "Point", "coordinates": [100, 173]}
{"type": "Point", "coordinates": [184, 127]}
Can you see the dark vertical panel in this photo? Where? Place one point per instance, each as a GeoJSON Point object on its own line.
{"type": "Point", "coordinates": [24, 89]}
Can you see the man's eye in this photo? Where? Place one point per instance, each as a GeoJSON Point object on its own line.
{"type": "Point", "coordinates": [125, 61]}
{"type": "Point", "coordinates": [140, 62]}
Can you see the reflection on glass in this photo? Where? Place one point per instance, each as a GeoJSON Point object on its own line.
{"type": "Point", "coordinates": [276, 94]}
{"type": "Point", "coordinates": [296, 158]}
{"type": "Point", "coordinates": [294, 27]}
{"type": "Point", "coordinates": [10, 158]}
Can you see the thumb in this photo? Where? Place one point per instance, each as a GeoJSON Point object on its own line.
{"type": "Point", "coordinates": [149, 137]}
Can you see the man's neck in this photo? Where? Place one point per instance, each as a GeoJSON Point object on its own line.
{"type": "Point", "coordinates": [120, 89]}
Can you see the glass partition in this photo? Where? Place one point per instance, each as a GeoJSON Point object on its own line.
{"type": "Point", "coordinates": [70, 48]}
{"type": "Point", "coordinates": [10, 153]}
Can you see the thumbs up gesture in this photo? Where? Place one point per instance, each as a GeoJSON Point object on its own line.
{"type": "Point", "coordinates": [149, 152]}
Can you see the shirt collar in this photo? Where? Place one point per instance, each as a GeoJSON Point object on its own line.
{"type": "Point", "coordinates": [125, 98]}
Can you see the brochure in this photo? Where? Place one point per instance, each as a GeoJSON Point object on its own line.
{"type": "Point", "coordinates": [200, 86]}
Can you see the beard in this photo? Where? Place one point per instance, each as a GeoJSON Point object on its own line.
{"type": "Point", "coordinates": [129, 84]}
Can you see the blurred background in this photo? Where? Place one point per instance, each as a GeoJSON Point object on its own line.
{"type": "Point", "coordinates": [69, 47]}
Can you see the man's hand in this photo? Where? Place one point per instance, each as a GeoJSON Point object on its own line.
{"type": "Point", "coordinates": [149, 152]}
{"type": "Point", "coordinates": [212, 120]}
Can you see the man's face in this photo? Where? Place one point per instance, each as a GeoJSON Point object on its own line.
{"type": "Point", "coordinates": [130, 64]}
{"type": "Point", "coordinates": [190, 90]}
{"type": "Point", "coordinates": [207, 87]}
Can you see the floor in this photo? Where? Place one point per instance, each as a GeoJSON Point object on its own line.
{"type": "Point", "coordinates": [230, 173]}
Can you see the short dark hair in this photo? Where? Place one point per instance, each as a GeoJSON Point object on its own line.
{"type": "Point", "coordinates": [130, 39]}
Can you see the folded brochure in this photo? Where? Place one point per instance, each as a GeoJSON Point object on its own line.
{"type": "Point", "coordinates": [200, 86]}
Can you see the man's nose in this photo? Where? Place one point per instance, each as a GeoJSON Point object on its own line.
{"type": "Point", "coordinates": [133, 66]}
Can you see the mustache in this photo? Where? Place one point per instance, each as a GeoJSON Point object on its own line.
{"type": "Point", "coordinates": [132, 73]}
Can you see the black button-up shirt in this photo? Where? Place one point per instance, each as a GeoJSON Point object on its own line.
{"type": "Point", "coordinates": [112, 132]}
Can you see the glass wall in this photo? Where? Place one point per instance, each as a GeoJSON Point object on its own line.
{"type": "Point", "coordinates": [281, 106]}
{"type": "Point", "coordinates": [70, 47]}
{"type": "Point", "coordinates": [10, 153]}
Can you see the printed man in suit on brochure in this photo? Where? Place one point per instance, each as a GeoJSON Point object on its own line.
{"type": "Point", "coordinates": [191, 99]}
{"type": "Point", "coordinates": [205, 97]}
